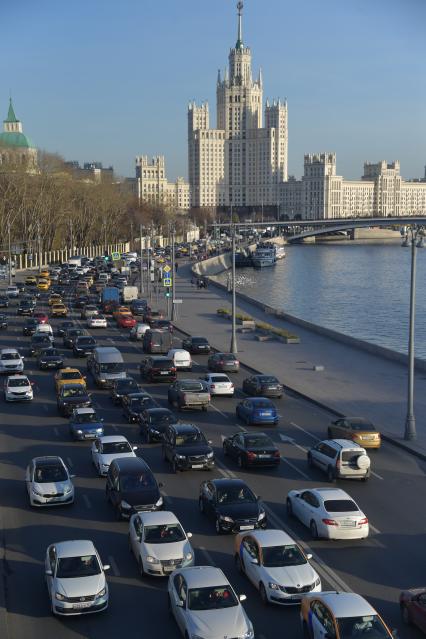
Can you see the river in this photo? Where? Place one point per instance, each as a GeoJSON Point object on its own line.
{"type": "Point", "coordinates": [362, 290]}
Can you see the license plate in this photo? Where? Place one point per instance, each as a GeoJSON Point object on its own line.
{"type": "Point", "coordinates": [264, 456]}
{"type": "Point", "coordinates": [266, 413]}
{"type": "Point", "coordinates": [246, 527]}
{"type": "Point", "coordinates": [348, 523]}
{"type": "Point", "coordinates": [197, 466]}
{"type": "Point", "coordinates": [168, 568]}
{"type": "Point", "coordinates": [163, 372]}
{"type": "Point", "coordinates": [82, 604]}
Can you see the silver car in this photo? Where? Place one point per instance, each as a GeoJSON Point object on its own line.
{"type": "Point", "coordinates": [75, 578]}
{"type": "Point", "coordinates": [204, 604]}
{"type": "Point", "coordinates": [49, 482]}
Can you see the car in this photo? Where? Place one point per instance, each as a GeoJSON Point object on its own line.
{"type": "Point", "coordinates": [161, 325]}
{"type": "Point", "coordinates": [41, 317]}
{"type": "Point", "coordinates": [71, 335]}
{"type": "Point", "coordinates": [122, 387]}
{"type": "Point", "coordinates": [89, 310]}
{"type": "Point", "coordinates": [134, 403]}
{"type": "Point", "coordinates": [154, 421]}
{"type": "Point", "coordinates": [58, 310]}
{"type": "Point", "coordinates": [231, 505]}
{"type": "Point", "coordinates": [329, 513]}
{"type": "Point", "coordinates": [159, 543]}
{"type": "Point", "coordinates": [75, 578]}
{"type": "Point", "coordinates": [341, 614]}
{"type": "Point", "coordinates": [63, 327]}
{"type": "Point", "coordinates": [138, 331]}
{"type": "Point", "coordinates": [83, 345]}
{"type": "Point", "coordinates": [340, 458]}
{"type": "Point", "coordinates": [204, 604]}
{"type": "Point", "coordinates": [276, 565]}
{"type": "Point", "coordinates": [30, 280]}
{"type": "Point", "coordinates": [121, 310]}
{"type": "Point", "coordinates": [131, 487]}
{"type": "Point", "coordinates": [412, 603]}
{"type": "Point", "coordinates": [223, 363]}
{"type": "Point", "coordinates": [186, 448]}
{"type": "Point", "coordinates": [126, 321]}
{"type": "Point", "coordinates": [25, 307]}
{"type": "Point", "coordinates": [252, 450]}
{"type": "Point", "coordinates": [11, 361]}
{"type": "Point", "coordinates": [188, 393]}
{"type": "Point", "coordinates": [44, 273]}
{"type": "Point", "coordinates": [360, 430]}
{"type": "Point", "coordinates": [43, 284]}
{"type": "Point", "coordinates": [12, 291]}
{"type": "Point", "coordinates": [109, 447]}
{"type": "Point", "coordinates": [97, 321]}
{"type": "Point", "coordinates": [4, 301]}
{"type": "Point", "coordinates": [54, 298]}
{"type": "Point", "coordinates": [218, 384]}
{"type": "Point", "coordinates": [50, 358]}
{"type": "Point", "coordinates": [181, 358]}
{"type": "Point", "coordinates": [158, 368]}
{"type": "Point", "coordinates": [139, 307]}
{"type": "Point", "coordinates": [257, 410]}
{"type": "Point", "coordinates": [196, 345]}
{"type": "Point", "coordinates": [262, 386]}
{"type": "Point", "coordinates": [38, 343]}
{"type": "Point", "coordinates": [45, 329]}
{"type": "Point", "coordinates": [18, 388]}
{"type": "Point", "coordinates": [71, 396]}
{"type": "Point", "coordinates": [151, 315]}
{"type": "Point", "coordinates": [48, 482]}
{"type": "Point", "coordinates": [84, 423]}
{"type": "Point", "coordinates": [3, 320]}
{"type": "Point", "coordinates": [69, 375]}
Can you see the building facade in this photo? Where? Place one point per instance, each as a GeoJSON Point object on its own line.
{"type": "Point", "coordinates": [242, 162]}
{"type": "Point", "coordinates": [322, 194]}
{"type": "Point", "coordinates": [16, 149]}
{"type": "Point", "coordinates": [154, 188]}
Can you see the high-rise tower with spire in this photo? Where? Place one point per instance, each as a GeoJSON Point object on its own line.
{"type": "Point", "coordinates": [239, 163]}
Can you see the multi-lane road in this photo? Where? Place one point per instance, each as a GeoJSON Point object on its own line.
{"type": "Point", "coordinates": [378, 568]}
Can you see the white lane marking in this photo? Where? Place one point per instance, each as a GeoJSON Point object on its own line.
{"type": "Point", "coordinates": [219, 411]}
{"type": "Point", "coordinates": [306, 432]}
{"type": "Point", "coordinates": [114, 566]}
{"type": "Point", "coordinates": [374, 529]}
{"type": "Point", "coordinates": [70, 462]}
{"type": "Point", "coordinates": [221, 471]}
{"type": "Point", "coordinates": [56, 431]}
{"type": "Point", "coordinates": [87, 501]}
{"type": "Point", "coordinates": [242, 428]}
{"type": "Point", "coordinates": [377, 475]}
{"type": "Point", "coordinates": [286, 439]}
{"type": "Point", "coordinates": [297, 470]}
{"type": "Point", "coordinates": [207, 556]}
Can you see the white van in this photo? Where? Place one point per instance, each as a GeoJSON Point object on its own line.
{"type": "Point", "coordinates": [45, 329]}
{"type": "Point", "coordinates": [181, 358]}
{"type": "Point", "coordinates": [106, 365]}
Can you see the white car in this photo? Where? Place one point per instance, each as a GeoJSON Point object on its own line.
{"type": "Point", "coordinates": [109, 447]}
{"type": "Point", "coordinates": [97, 321]}
{"type": "Point", "coordinates": [328, 512]}
{"type": "Point", "coordinates": [11, 361]}
{"type": "Point", "coordinates": [45, 329]}
{"type": "Point", "coordinates": [12, 291]}
{"type": "Point", "coordinates": [276, 566]}
{"type": "Point", "coordinates": [181, 358]}
{"type": "Point", "coordinates": [75, 578]}
{"type": "Point", "coordinates": [219, 384]}
{"type": "Point", "coordinates": [204, 604]}
{"type": "Point", "coordinates": [159, 543]}
{"type": "Point", "coordinates": [18, 388]}
{"type": "Point", "coordinates": [49, 482]}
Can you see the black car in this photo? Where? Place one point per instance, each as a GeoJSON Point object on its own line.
{"type": "Point", "coordinates": [3, 320]}
{"type": "Point", "coordinates": [135, 403]}
{"type": "Point", "coordinates": [154, 421]}
{"type": "Point", "coordinates": [83, 345]}
{"type": "Point", "coordinates": [72, 396]}
{"type": "Point", "coordinates": [30, 326]}
{"type": "Point", "coordinates": [50, 358]}
{"type": "Point", "coordinates": [196, 345]}
{"type": "Point", "coordinates": [25, 308]}
{"type": "Point", "coordinates": [20, 286]}
{"type": "Point", "coordinates": [131, 487]}
{"type": "Point", "coordinates": [64, 326]}
{"type": "Point", "coordinates": [39, 343]}
{"type": "Point", "coordinates": [4, 301]}
{"type": "Point", "coordinates": [262, 386]}
{"type": "Point", "coordinates": [232, 505]}
{"type": "Point", "coordinates": [123, 387]}
{"type": "Point", "coordinates": [71, 335]}
{"type": "Point", "coordinates": [139, 307]}
{"type": "Point", "coordinates": [161, 325]}
{"type": "Point", "coordinates": [186, 448]}
{"type": "Point", "coordinates": [252, 449]}
{"type": "Point", "coordinates": [81, 301]}
{"type": "Point", "coordinates": [158, 368]}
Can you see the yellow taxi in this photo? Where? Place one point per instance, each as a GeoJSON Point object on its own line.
{"type": "Point", "coordinates": [30, 280]}
{"type": "Point", "coordinates": [43, 284]}
{"type": "Point", "coordinates": [54, 298]}
{"type": "Point", "coordinates": [359, 430]}
{"type": "Point", "coordinates": [59, 310]}
{"type": "Point", "coordinates": [340, 615]}
{"type": "Point", "coordinates": [121, 310]}
{"type": "Point", "coordinates": [89, 280]}
{"type": "Point", "coordinates": [69, 375]}
{"type": "Point", "coordinates": [45, 273]}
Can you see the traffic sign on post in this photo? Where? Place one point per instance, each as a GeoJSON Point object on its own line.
{"type": "Point", "coordinates": [167, 269]}
{"type": "Point", "coordinates": [115, 256]}
{"type": "Point", "coordinates": [167, 281]}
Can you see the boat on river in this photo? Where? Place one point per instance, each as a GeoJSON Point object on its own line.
{"type": "Point", "coordinates": [265, 255]}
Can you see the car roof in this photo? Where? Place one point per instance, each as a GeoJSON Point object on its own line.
{"type": "Point", "coordinates": [343, 443]}
{"type": "Point", "coordinates": [256, 400]}
{"type": "Point", "coordinates": [347, 604]}
{"type": "Point", "coordinates": [160, 358]}
{"type": "Point", "coordinates": [75, 548]}
{"type": "Point", "coordinates": [202, 576]}
{"type": "Point", "coordinates": [271, 537]}
{"type": "Point", "coordinates": [16, 377]}
{"type": "Point", "coordinates": [8, 350]}
{"type": "Point", "coordinates": [156, 410]}
{"type": "Point", "coordinates": [158, 518]}
{"type": "Point", "coordinates": [108, 439]}
{"type": "Point", "coordinates": [84, 411]}
{"type": "Point", "coordinates": [358, 420]}
{"type": "Point", "coordinates": [224, 483]}
{"type": "Point", "coordinates": [47, 460]}
{"type": "Point", "coordinates": [185, 428]}
{"type": "Point", "coordinates": [331, 493]}
{"type": "Point", "coordinates": [69, 369]}
{"type": "Point", "coordinates": [129, 464]}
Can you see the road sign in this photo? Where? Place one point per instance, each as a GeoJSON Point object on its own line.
{"type": "Point", "coordinates": [167, 269]}
{"type": "Point", "coordinates": [115, 256]}
{"type": "Point", "coordinates": [177, 301]}
{"type": "Point", "coordinates": [167, 281]}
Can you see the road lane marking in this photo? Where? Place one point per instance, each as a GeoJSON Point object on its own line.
{"type": "Point", "coordinates": [207, 556]}
{"type": "Point", "coordinates": [377, 475]}
{"type": "Point", "coordinates": [219, 411]}
{"type": "Point", "coordinates": [114, 566]}
{"type": "Point", "coordinates": [297, 470]}
{"type": "Point", "coordinates": [56, 431]}
{"type": "Point", "coordinates": [87, 501]}
{"type": "Point", "coordinates": [306, 432]}
{"type": "Point", "coordinates": [374, 529]}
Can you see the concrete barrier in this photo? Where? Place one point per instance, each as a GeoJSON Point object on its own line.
{"type": "Point", "coordinates": [223, 262]}
{"type": "Point", "coordinates": [61, 255]}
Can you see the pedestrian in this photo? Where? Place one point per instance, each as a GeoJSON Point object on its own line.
{"type": "Point", "coordinates": [192, 281]}
{"type": "Point", "coordinates": [176, 267]}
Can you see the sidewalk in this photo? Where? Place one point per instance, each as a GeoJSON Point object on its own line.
{"type": "Point", "coordinates": [353, 382]}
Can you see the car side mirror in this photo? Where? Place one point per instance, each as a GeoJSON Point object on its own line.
{"type": "Point", "coordinates": [49, 573]}
{"type": "Point", "coordinates": [259, 498]}
{"type": "Point", "coordinates": [242, 597]}
{"type": "Point", "coordinates": [72, 476]}
{"type": "Point", "coordinates": [189, 535]}
{"type": "Point", "coordinates": [161, 485]}
{"type": "Point", "coordinates": [106, 567]}
{"type": "Point", "coordinates": [134, 447]}
{"type": "Point", "coordinates": [395, 633]}
{"type": "Point", "coordinates": [209, 441]}
{"type": "Point", "coordinates": [179, 603]}
{"type": "Point", "coordinates": [102, 419]}
{"type": "Point", "coordinates": [254, 561]}
{"type": "Point", "coordinates": [32, 383]}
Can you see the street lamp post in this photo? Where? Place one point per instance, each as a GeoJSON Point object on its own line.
{"type": "Point", "coordinates": [10, 252]}
{"type": "Point", "coordinates": [173, 275]}
{"type": "Point", "coordinates": [141, 260]}
{"type": "Point", "coordinates": [39, 248]}
{"type": "Point", "coordinates": [233, 348]}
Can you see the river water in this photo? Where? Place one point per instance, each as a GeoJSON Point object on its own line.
{"type": "Point", "coordinates": [362, 290]}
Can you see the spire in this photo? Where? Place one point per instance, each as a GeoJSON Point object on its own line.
{"type": "Point", "coordinates": [219, 79]}
{"type": "Point", "coordinates": [260, 77]}
{"type": "Point", "coordinates": [239, 44]}
{"type": "Point", "coordinates": [11, 117]}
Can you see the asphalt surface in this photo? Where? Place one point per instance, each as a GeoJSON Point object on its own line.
{"type": "Point", "coordinates": [377, 568]}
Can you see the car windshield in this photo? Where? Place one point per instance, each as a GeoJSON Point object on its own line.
{"type": "Point", "coordinates": [219, 378]}
{"type": "Point", "coordinates": [126, 385]}
{"type": "Point", "coordinates": [86, 341]}
{"type": "Point", "coordinates": [191, 386]}
{"type": "Point", "coordinates": [189, 439]}
{"type": "Point", "coordinates": [161, 419]}
{"type": "Point", "coordinates": [367, 627]}
{"type": "Point", "coordinates": [137, 482]}
{"type": "Point", "coordinates": [262, 404]}
{"type": "Point", "coordinates": [48, 352]}
{"type": "Point", "coordinates": [164, 534]}
{"type": "Point", "coordinates": [10, 356]}
{"type": "Point", "coordinates": [86, 418]}
{"type": "Point", "coordinates": [267, 379]}
{"type": "Point", "coordinates": [73, 567]}
{"type": "Point", "coordinates": [211, 598]}
{"type": "Point", "coordinates": [112, 367]}
{"type": "Point", "coordinates": [279, 556]}
{"type": "Point", "coordinates": [257, 441]}
{"type": "Point", "coordinates": [108, 448]}
{"type": "Point", "coordinates": [71, 375]}
{"type": "Point", "coordinates": [235, 495]}
{"type": "Point", "coordinates": [16, 383]}
{"type": "Point", "coordinates": [340, 506]}
{"type": "Point", "coordinates": [227, 357]}
{"type": "Point", "coordinates": [50, 473]}
{"type": "Point", "coordinates": [199, 340]}
{"type": "Point", "coordinates": [73, 392]}
{"type": "Point", "coordinates": [365, 426]}
{"type": "Point", "coordinates": [138, 403]}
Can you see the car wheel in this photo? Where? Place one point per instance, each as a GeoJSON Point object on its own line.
{"type": "Point", "coordinates": [205, 407]}
{"type": "Point", "coordinates": [218, 527]}
{"type": "Point", "coordinates": [141, 570]}
{"type": "Point", "coordinates": [239, 564]}
{"type": "Point", "coordinates": [107, 495]}
{"type": "Point", "coordinates": [405, 614]}
{"type": "Point", "coordinates": [263, 595]}
{"type": "Point", "coordinates": [169, 399]}
{"type": "Point", "coordinates": [148, 437]}
{"type": "Point", "coordinates": [289, 506]}
{"type": "Point", "coordinates": [201, 505]}
{"type": "Point", "coordinates": [118, 514]}
{"type": "Point", "coordinates": [240, 461]}
{"type": "Point", "coordinates": [330, 474]}
{"type": "Point", "coordinates": [314, 530]}
{"type": "Point", "coordinates": [310, 460]}
{"type": "Point", "coordinates": [225, 451]}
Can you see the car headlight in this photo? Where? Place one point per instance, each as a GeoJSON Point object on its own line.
{"type": "Point", "coordinates": [125, 505]}
{"type": "Point", "coordinates": [35, 491]}
{"type": "Point", "coordinates": [318, 582]}
{"type": "Point", "coordinates": [180, 456]}
{"type": "Point", "coordinates": [188, 556]}
{"type": "Point", "coordinates": [262, 515]}
{"type": "Point", "coordinates": [249, 634]}
{"type": "Point", "coordinates": [101, 593]}
{"type": "Point", "coordinates": [159, 502]}
{"type": "Point", "coordinates": [226, 518]}
{"type": "Point", "coordinates": [273, 586]}
{"type": "Point", "coordinates": [59, 596]}
{"type": "Point", "coordinates": [99, 430]}
{"type": "Point", "coordinates": [210, 455]}
{"type": "Point", "coordinates": [79, 432]}
{"type": "Point", "coordinates": [68, 490]}
{"type": "Point", "coordinates": [152, 560]}
{"type": "Point", "coordinates": [156, 432]}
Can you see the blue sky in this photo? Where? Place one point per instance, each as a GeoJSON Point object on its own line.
{"type": "Point", "coordinates": [106, 80]}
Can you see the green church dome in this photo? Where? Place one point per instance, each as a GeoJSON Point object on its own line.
{"type": "Point", "coordinates": [15, 139]}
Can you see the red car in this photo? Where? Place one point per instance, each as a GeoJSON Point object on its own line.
{"type": "Point", "coordinates": [126, 321]}
{"type": "Point", "coordinates": [413, 607]}
{"type": "Point", "coordinates": [41, 318]}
